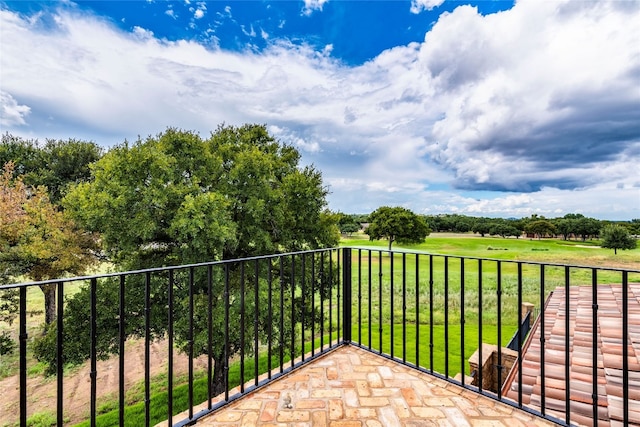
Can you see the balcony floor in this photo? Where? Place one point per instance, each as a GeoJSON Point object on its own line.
{"type": "Point", "coordinates": [350, 387]}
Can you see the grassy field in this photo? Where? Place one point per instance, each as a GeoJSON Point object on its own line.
{"type": "Point", "coordinates": [556, 251]}
{"type": "Point", "coordinates": [373, 264]}
{"type": "Point", "coordinates": [406, 295]}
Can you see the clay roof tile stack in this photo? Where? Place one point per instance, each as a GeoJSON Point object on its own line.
{"type": "Point", "coordinates": [580, 382]}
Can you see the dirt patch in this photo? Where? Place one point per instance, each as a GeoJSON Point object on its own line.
{"type": "Point", "coordinates": [41, 391]}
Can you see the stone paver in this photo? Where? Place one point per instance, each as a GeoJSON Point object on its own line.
{"type": "Point", "coordinates": [328, 393]}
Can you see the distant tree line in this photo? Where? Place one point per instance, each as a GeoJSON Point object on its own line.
{"type": "Point", "coordinates": [571, 226]}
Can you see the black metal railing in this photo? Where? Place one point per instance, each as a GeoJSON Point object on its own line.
{"type": "Point", "coordinates": [256, 319]}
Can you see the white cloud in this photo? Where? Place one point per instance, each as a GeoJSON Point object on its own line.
{"type": "Point", "coordinates": [418, 6]}
{"type": "Point", "coordinates": [250, 32]}
{"type": "Point", "coordinates": [541, 99]}
{"type": "Point", "coordinates": [13, 114]}
{"type": "Point", "coordinates": [142, 33]}
{"type": "Point", "coordinates": [199, 13]}
{"type": "Point", "coordinates": [311, 6]}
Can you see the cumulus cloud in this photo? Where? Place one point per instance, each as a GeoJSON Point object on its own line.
{"type": "Point", "coordinates": [516, 121]}
{"type": "Point", "coordinates": [311, 6]}
{"type": "Point", "coordinates": [12, 113]}
{"type": "Point", "coordinates": [418, 6]}
{"type": "Point", "coordinates": [199, 10]}
{"type": "Point", "coordinates": [541, 99]}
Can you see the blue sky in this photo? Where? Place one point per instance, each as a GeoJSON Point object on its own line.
{"type": "Point", "coordinates": [494, 108]}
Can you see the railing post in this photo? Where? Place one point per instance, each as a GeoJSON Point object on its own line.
{"type": "Point", "coordinates": [23, 355]}
{"type": "Point", "coordinates": [346, 295]}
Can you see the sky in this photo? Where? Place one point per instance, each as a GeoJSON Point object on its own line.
{"type": "Point", "coordinates": [479, 107]}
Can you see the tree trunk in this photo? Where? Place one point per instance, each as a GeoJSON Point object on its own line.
{"type": "Point", "coordinates": [49, 303]}
{"type": "Point", "coordinates": [218, 379]}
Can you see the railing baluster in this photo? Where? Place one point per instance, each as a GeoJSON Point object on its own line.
{"type": "Point", "coordinates": [520, 337]}
{"type": "Point", "coordinates": [360, 296]}
{"type": "Point", "coordinates": [625, 348]}
{"type": "Point", "coordinates": [330, 282]}
{"type": "Point", "coordinates": [431, 313]}
{"type": "Point", "coordinates": [404, 307]}
{"type": "Point", "coordinates": [322, 289]}
{"type": "Point", "coordinates": [209, 335]}
{"type": "Point", "coordinates": [462, 361]}
{"type": "Point", "coordinates": [242, 314]}
{"type": "Point", "coordinates": [60, 355]}
{"type": "Point", "coordinates": [293, 310]}
{"type": "Point", "coordinates": [370, 294]}
{"type": "Point", "coordinates": [313, 304]}
{"type": "Point", "coordinates": [380, 301]}
{"type": "Point", "coordinates": [302, 304]}
{"type": "Point", "coordinates": [23, 355]}
{"type": "Point", "coordinates": [92, 352]}
{"type": "Point", "coordinates": [338, 299]}
{"type": "Point", "coordinates": [269, 316]}
{"type": "Point", "coordinates": [190, 344]}
{"type": "Point", "coordinates": [226, 332]}
{"type": "Point", "coordinates": [347, 295]}
{"type": "Point", "coordinates": [256, 286]}
{"type": "Point", "coordinates": [121, 358]}
{"type": "Point", "coordinates": [499, 366]}
{"type": "Point", "coordinates": [446, 317]}
{"type": "Point", "coordinates": [417, 310]}
{"type": "Point", "coordinates": [480, 359]}
{"type": "Point", "coordinates": [281, 346]}
{"type": "Point", "coordinates": [567, 371]}
{"type": "Point", "coordinates": [147, 341]}
{"type": "Point", "coordinates": [594, 344]}
{"type": "Point", "coordinates": [543, 404]}
{"type": "Point", "coordinates": [391, 310]}
{"type": "Point", "coordinates": [170, 350]}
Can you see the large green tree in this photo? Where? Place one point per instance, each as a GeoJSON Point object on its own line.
{"type": "Point", "coordinates": [178, 198]}
{"type": "Point", "coordinates": [540, 228]}
{"type": "Point", "coordinates": [347, 223]}
{"type": "Point", "coordinates": [617, 237]}
{"type": "Point", "coordinates": [54, 164]}
{"type": "Point", "coordinates": [37, 239]}
{"type": "Point", "coordinates": [397, 224]}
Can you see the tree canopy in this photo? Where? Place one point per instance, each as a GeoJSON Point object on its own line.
{"type": "Point", "coordinates": [397, 224]}
{"type": "Point", "coordinates": [38, 240]}
{"type": "Point", "coordinates": [177, 198]}
{"type": "Point", "coordinates": [347, 223]}
{"type": "Point", "coordinates": [540, 227]}
{"type": "Point", "coordinates": [617, 237]}
{"type": "Point", "coordinates": [56, 164]}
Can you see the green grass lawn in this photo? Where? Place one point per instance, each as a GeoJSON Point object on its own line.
{"type": "Point", "coordinates": [544, 250]}
{"type": "Point", "coordinates": [419, 352]}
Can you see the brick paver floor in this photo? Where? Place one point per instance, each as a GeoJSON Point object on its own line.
{"type": "Point", "coordinates": [350, 387]}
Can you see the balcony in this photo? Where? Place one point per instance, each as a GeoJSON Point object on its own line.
{"type": "Point", "coordinates": [271, 323]}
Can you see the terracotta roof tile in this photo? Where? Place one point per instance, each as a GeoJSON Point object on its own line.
{"type": "Point", "coordinates": [609, 359]}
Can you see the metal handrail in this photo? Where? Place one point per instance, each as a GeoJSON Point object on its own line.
{"type": "Point", "coordinates": [314, 301]}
